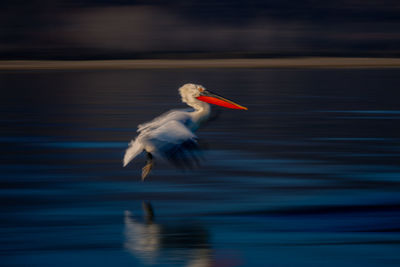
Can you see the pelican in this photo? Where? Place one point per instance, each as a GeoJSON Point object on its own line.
{"type": "Point", "coordinates": [171, 135]}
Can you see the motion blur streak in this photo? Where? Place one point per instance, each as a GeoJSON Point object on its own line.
{"type": "Point", "coordinates": [309, 175]}
{"type": "Point", "coordinates": [311, 178]}
{"type": "Point", "coordinates": [99, 29]}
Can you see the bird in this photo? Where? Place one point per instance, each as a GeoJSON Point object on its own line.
{"type": "Point", "coordinates": [172, 136]}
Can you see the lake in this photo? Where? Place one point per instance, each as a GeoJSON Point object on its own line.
{"type": "Point", "coordinates": [308, 176]}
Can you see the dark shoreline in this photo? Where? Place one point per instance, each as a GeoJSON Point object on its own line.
{"type": "Point", "coordinates": [310, 62]}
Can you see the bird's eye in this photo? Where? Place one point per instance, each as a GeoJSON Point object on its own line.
{"type": "Point", "coordinates": [201, 89]}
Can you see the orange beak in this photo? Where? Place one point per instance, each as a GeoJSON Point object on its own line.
{"type": "Point", "coordinates": [208, 97]}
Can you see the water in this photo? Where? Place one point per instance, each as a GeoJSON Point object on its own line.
{"type": "Point", "coordinates": [308, 176]}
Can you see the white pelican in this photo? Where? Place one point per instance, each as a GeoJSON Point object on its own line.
{"type": "Point", "coordinates": [171, 135]}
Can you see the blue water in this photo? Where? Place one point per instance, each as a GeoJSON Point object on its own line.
{"type": "Point", "coordinates": [308, 176]}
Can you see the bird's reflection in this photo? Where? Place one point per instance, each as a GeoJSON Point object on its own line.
{"type": "Point", "coordinates": [177, 243]}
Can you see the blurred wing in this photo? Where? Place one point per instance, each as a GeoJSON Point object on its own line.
{"type": "Point", "coordinates": [171, 133]}
{"type": "Point", "coordinates": [175, 142]}
{"type": "Point", "coordinates": [161, 135]}
{"type": "Point", "coordinates": [134, 149]}
{"type": "Point", "coordinates": [174, 115]}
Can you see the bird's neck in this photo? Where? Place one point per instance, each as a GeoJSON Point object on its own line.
{"type": "Point", "coordinates": [201, 112]}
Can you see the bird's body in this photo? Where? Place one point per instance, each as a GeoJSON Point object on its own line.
{"type": "Point", "coordinates": [171, 135]}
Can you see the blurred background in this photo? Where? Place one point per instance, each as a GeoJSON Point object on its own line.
{"type": "Point", "coordinates": [105, 29]}
{"type": "Point", "coordinates": [309, 175]}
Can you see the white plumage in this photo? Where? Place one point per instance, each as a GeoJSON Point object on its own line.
{"type": "Point", "coordinates": [159, 140]}
{"type": "Point", "coordinates": [171, 135]}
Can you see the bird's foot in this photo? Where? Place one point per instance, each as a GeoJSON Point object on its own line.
{"type": "Point", "coordinates": [146, 170]}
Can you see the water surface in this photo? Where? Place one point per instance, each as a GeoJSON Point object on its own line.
{"type": "Point", "coordinates": [308, 176]}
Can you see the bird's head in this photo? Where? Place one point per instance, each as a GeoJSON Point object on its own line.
{"type": "Point", "coordinates": [190, 92]}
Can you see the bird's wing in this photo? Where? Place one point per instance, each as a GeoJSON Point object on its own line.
{"type": "Point", "coordinates": [172, 132]}
{"type": "Point", "coordinates": [173, 115]}
{"type": "Point", "coordinates": [134, 149]}
{"type": "Point", "coordinates": [175, 142]}
{"type": "Point", "coordinates": [164, 131]}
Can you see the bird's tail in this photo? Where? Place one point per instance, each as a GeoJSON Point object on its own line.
{"type": "Point", "coordinates": [134, 149]}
